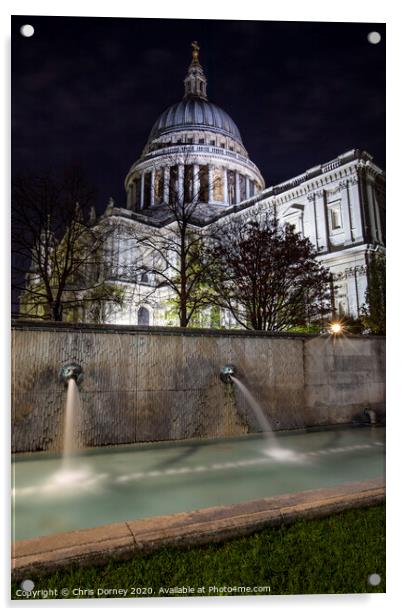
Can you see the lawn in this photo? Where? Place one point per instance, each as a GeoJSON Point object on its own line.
{"type": "Point", "coordinates": [331, 555]}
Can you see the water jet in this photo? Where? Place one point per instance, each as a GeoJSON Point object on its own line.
{"type": "Point", "coordinates": [273, 450]}
{"type": "Point", "coordinates": [139, 477]}
{"type": "Point", "coordinates": [71, 374]}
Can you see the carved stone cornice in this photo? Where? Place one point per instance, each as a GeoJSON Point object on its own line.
{"type": "Point", "coordinates": [351, 272]}
{"type": "Point", "coordinates": [343, 184]}
{"type": "Point", "coordinates": [316, 194]}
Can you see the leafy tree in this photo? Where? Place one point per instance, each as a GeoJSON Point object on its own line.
{"type": "Point", "coordinates": [267, 276]}
{"type": "Point", "coordinates": [101, 301]}
{"type": "Point", "coordinates": [373, 313]}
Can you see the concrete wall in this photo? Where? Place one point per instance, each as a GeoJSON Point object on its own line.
{"type": "Point", "coordinates": [151, 384]}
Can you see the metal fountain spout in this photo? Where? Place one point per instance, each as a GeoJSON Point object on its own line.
{"type": "Point", "coordinates": [372, 417]}
{"type": "Point", "coordinates": [69, 371]}
{"type": "Point", "coordinates": [227, 372]}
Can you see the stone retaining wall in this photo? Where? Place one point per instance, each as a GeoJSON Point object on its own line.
{"type": "Point", "coordinates": [153, 384]}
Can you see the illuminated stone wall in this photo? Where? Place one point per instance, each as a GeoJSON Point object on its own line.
{"type": "Point", "coordinates": [143, 384]}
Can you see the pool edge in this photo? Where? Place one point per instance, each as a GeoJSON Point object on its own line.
{"type": "Point", "coordinates": [124, 540]}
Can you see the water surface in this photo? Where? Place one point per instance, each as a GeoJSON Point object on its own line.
{"type": "Point", "coordinates": [106, 485]}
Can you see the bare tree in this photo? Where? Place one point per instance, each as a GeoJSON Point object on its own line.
{"type": "Point", "coordinates": [56, 249]}
{"type": "Point", "coordinates": [267, 276]}
{"type": "Point", "coordinates": [175, 253]}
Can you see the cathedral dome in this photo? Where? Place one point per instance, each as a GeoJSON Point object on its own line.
{"type": "Point", "coordinates": [194, 150]}
{"type": "Point", "coordinates": [195, 113]}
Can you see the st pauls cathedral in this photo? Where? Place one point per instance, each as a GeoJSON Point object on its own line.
{"type": "Point", "coordinates": [339, 205]}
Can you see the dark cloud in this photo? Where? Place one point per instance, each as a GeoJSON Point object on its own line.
{"type": "Point", "coordinates": [90, 89]}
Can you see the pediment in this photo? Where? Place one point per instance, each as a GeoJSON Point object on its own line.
{"type": "Point", "coordinates": [294, 208]}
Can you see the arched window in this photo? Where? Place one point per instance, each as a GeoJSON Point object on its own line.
{"type": "Point", "coordinates": [144, 277]}
{"type": "Point", "coordinates": [342, 308]}
{"type": "Point", "coordinates": [143, 316]}
{"type": "Point", "coordinates": [231, 187]}
{"type": "Point", "coordinates": [204, 184]}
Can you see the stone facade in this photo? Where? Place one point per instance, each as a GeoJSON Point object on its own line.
{"type": "Point", "coordinates": [195, 147]}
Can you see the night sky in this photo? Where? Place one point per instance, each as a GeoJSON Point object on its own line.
{"type": "Point", "coordinates": [88, 90]}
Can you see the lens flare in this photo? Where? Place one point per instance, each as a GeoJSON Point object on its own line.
{"type": "Point", "coordinates": [336, 328]}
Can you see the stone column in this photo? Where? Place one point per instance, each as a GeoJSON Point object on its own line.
{"type": "Point", "coordinates": [247, 187]}
{"type": "Point", "coordinates": [129, 202]}
{"type": "Point", "coordinates": [377, 216]}
{"type": "Point", "coordinates": [166, 178]}
{"type": "Point", "coordinates": [142, 191]}
{"type": "Point", "coordinates": [225, 186]}
{"type": "Point", "coordinates": [196, 182]}
{"type": "Point", "coordinates": [180, 183]}
{"type": "Point", "coordinates": [345, 207]}
{"type": "Point", "coordinates": [373, 217]}
{"type": "Point", "coordinates": [361, 284]}
{"type": "Point", "coordinates": [210, 184]}
{"type": "Point", "coordinates": [152, 188]}
{"type": "Point", "coordinates": [355, 209]}
{"type": "Point", "coordinates": [351, 285]}
{"type": "Point", "coordinates": [115, 255]}
{"type": "Point", "coordinates": [356, 291]}
{"type": "Point", "coordinates": [322, 222]}
{"type": "Point", "coordinates": [237, 187]}
{"type": "Point", "coordinates": [313, 219]}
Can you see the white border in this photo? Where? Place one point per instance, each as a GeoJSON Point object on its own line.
{"type": "Point", "coordinates": [307, 10]}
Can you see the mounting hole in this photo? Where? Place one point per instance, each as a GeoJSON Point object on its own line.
{"type": "Point", "coordinates": [374, 38]}
{"type": "Point", "coordinates": [374, 579]}
{"type": "Point", "coordinates": [27, 30]}
{"type": "Point", "coordinates": [27, 585]}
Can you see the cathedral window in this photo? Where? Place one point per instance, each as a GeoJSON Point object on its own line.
{"type": "Point", "coordinates": [218, 185]}
{"type": "Point", "coordinates": [335, 216]}
{"type": "Point", "coordinates": [188, 183]}
{"type": "Point", "coordinates": [143, 316]}
{"type": "Point", "coordinates": [137, 193]}
{"type": "Point", "coordinates": [158, 188]}
{"type": "Point", "coordinates": [242, 187]}
{"type": "Point", "coordinates": [212, 142]}
{"type": "Point", "coordinates": [204, 184]}
{"type": "Point", "coordinates": [173, 184]}
{"type": "Point", "coordinates": [201, 141]}
{"type": "Point", "coordinates": [231, 187]}
{"type": "Point", "coordinates": [342, 308]}
{"type": "Point", "coordinates": [147, 189]}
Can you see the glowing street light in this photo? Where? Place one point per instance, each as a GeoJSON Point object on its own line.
{"type": "Point", "coordinates": [336, 328]}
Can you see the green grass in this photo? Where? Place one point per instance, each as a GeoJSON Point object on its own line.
{"type": "Point", "coordinates": [332, 555]}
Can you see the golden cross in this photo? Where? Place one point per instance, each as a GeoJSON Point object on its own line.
{"type": "Point", "coordinates": [196, 49]}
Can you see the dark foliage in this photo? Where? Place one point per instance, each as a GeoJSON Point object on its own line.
{"type": "Point", "coordinates": [374, 312]}
{"type": "Point", "coordinates": [55, 250]}
{"type": "Point", "coordinates": [268, 276]}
